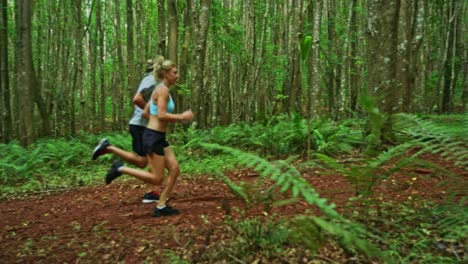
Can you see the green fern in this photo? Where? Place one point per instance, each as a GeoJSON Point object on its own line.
{"type": "Point", "coordinates": [287, 178]}
{"type": "Point", "coordinates": [449, 142]}
{"type": "Point", "coordinates": [424, 136]}
{"type": "Point", "coordinates": [453, 221]}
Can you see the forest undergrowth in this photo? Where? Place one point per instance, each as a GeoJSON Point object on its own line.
{"type": "Point", "coordinates": [279, 151]}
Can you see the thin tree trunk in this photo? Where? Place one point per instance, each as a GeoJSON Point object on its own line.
{"type": "Point", "coordinates": [352, 65]}
{"type": "Point", "coordinates": [93, 54]}
{"type": "Point", "coordinates": [117, 89]}
{"type": "Point", "coordinates": [315, 62]}
{"type": "Point", "coordinates": [101, 61]}
{"type": "Point", "coordinates": [383, 42]}
{"type": "Point", "coordinates": [463, 54]}
{"type": "Point", "coordinates": [262, 87]}
{"type": "Point", "coordinates": [131, 76]}
{"type": "Point", "coordinates": [173, 28]}
{"type": "Point", "coordinates": [79, 69]}
{"type": "Point", "coordinates": [449, 80]}
{"type": "Point", "coordinates": [139, 33]}
{"type": "Point", "coordinates": [331, 69]}
{"type": "Point", "coordinates": [162, 49]}
{"type": "Point", "coordinates": [199, 17]}
{"type": "Point", "coordinates": [344, 91]}
{"type": "Point", "coordinates": [5, 108]}
{"type": "Point", "coordinates": [25, 72]}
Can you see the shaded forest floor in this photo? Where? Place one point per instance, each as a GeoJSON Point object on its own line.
{"type": "Point", "coordinates": [111, 224]}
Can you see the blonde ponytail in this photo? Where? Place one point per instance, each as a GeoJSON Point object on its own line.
{"type": "Point", "coordinates": [162, 66]}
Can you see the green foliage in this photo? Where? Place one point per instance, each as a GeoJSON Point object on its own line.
{"type": "Point", "coordinates": [284, 134]}
{"type": "Point", "coordinates": [423, 135]}
{"type": "Point", "coordinates": [305, 47]}
{"type": "Point", "coordinates": [253, 235]}
{"type": "Point", "coordinates": [287, 178]}
{"type": "Point", "coordinates": [420, 233]}
{"type": "Point", "coordinates": [376, 120]}
{"type": "Point", "coordinates": [448, 139]}
{"type": "Point", "coordinates": [332, 138]}
{"type": "Point", "coordinates": [54, 163]}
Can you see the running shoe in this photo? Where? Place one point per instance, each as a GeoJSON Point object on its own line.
{"type": "Point", "coordinates": [151, 197]}
{"type": "Point", "coordinates": [166, 211]}
{"type": "Point", "coordinates": [114, 172]}
{"type": "Point", "coordinates": [100, 148]}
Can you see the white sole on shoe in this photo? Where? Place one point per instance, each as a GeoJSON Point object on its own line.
{"type": "Point", "coordinates": [150, 201]}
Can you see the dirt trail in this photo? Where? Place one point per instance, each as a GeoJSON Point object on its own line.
{"type": "Point", "coordinates": [110, 223]}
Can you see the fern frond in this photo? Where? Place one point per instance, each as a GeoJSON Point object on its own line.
{"type": "Point", "coordinates": [347, 238]}
{"type": "Point", "coordinates": [449, 142]}
{"type": "Point", "coordinates": [288, 178]}
{"type": "Point", "coordinates": [291, 179]}
{"type": "Point", "coordinates": [238, 190]}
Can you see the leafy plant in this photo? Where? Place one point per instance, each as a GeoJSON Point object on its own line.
{"type": "Point", "coordinates": [416, 134]}
{"type": "Point", "coordinates": [287, 178]}
{"type": "Point", "coordinates": [254, 235]}
{"type": "Point", "coordinates": [420, 233]}
{"type": "Point", "coordinates": [448, 141]}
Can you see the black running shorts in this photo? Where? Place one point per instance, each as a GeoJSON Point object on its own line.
{"type": "Point", "coordinates": [154, 142]}
{"type": "Point", "coordinates": [137, 139]}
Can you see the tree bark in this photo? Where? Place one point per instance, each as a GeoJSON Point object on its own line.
{"type": "Point", "coordinates": [173, 25]}
{"type": "Point", "coordinates": [131, 76]}
{"type": "Point", "coordinates": [102, 53]}
{"type": "Point", "coordinates": [449, 80]}
{"type": "Point", "coordinates": [315, 89]}
{"type": "Point", "coordinates": [382, 56]}
{"type": "Point", "coordinates": [79, 72]}
{"type": "Point", "coordinates": [162, 49]}
{"type": "Point", "coordinates": [199, 17]}
{"type": "Point", "coordinates": [25, 73]}
{"type": "Point", "coordinates": [5, 109]}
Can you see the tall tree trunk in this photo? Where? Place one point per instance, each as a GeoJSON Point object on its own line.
{"type": "Point", "coordinates": [139, 34]}
{"type": "Point", "coordinates": [382, 55]}
{"type": "Point", "coordinates": [448, 84]}
{"type": "Point", "coordinates": [199, 17]}
{"type": "Point", "coordinates": [405, 30]}
{"type": "Point", "coordinates": [184, 60]}
{"type": "Point", "coordinates": [354, 67]}
{"type": "Point", "coordinates": [101, 61]}
{"type": "Point", "coordinates": [315, 89]}
{"type": "Point", "coordinates": [117, 89]}
{"type": "Point", "coordinates": [173, 29]}
{"type": "Point", "coordinates": [93, 102]}
{"type": "Point", "coordinates": [131, 76]}
{"type": "Point", "coordinates": [25, 73]}
{"type": "Point", "coordinates": [79, 69]}
{"type": "Point", "coordinates": [332, 69]}
{"type": "Point", "coordinates": [344, 91]}
{"type": "Point", "coordinates": [162, 49]}
{"type": "Point", "coordinates": [5, 109]}
{"type": "Point", "coordinates": [262, 86]}
{"type": "Point", "coordinates": [463, 54]}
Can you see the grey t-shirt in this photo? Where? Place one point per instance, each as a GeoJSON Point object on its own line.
{"type": "Point", "coordinates": [137, 118]}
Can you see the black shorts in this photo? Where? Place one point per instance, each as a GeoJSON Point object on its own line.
{"type": "Point", "coordinates": [137, 139]}
{"type": "Point", "coordinates": [154, 142]}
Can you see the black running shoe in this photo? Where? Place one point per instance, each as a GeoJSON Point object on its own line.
{"type": "Point", "coordinates": [114, 172]}
{"type": "Point", "coordinates": [151, 197]}
{"type": "Point", "coordinates": [100, 148]}
{"type": "Point", "coordinates": [166, 211]}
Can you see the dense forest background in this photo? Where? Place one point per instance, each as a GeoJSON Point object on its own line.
{"type": "Point", "coordinates": [72, 66]}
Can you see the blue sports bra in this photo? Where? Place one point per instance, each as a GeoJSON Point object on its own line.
{"type": "Point", "coordinates": [169, 108]}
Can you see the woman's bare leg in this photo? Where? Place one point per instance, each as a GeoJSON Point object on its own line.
{"type": "Point", "coordinates": [156, 174]}
{"type": "Point", "coordinates": [130, 157]}
{"type": "Point", "coordinates": [172, 166]}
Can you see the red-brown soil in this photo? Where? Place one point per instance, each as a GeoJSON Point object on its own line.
{"type": "Point", "coordinates": [110, 223]}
